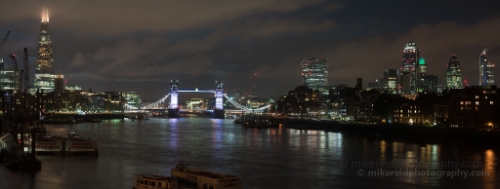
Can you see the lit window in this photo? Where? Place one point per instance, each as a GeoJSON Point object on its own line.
{"type": "Point", "coordinates": [477, 96]}
{"type": "Point", "coordinates": [491, 102]}
{"type": "Point", "coordinates": [477, 103]}
{"type": "Point", "coordinates": [461, 102]}
{"type": "Point", "coordinates": [485, 97]}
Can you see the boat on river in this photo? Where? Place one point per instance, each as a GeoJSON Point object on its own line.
{"type": "Point", "coordinates": [71, 144]}
{"type": "Point", "coordinates": [49, 145]}
{"type": "Point", "coordinates": [142, 181]}
{"type": "Point", "coordinates": [259, 121]}
{"type": "Point", "coordinates": [183, 177]}
{"type": "Point", "coordinates": [202, 179]}
{"type": "Point", "coordinates": [76, 144]}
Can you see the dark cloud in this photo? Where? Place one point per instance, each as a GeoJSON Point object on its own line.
{"type": "Point", "coordinates": [255, 46]}
{"type": "Point", "coordinates": [113, 17]}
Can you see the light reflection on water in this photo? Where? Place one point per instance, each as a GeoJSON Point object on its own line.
{"type": "Point", "coordinates": [263, 158]}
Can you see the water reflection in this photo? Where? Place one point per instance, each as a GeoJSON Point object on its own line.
{"type": "Point", "coordinates": [263, 158]}
{"type": "Point", "coordinates": [172, 135]}
{"type": "Point", "coordinates": [489, 167]}
{"type": "Point", "coordinates": [383, 147]}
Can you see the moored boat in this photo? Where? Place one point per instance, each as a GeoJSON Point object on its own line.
{"type": "Point", "coordinates": [49, 145]}
{"type": "Point", "coordinates": [202, 179]}
{"type": "Point", "coordinates": [183, 177]}
{"type": "Point", "coordinates": [76, 144]}
{"type": "Point", "coordinates": [142, 181]}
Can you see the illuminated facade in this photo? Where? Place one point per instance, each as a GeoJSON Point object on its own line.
{"type": "Point", "coordinates": [409, 71]}
{"type": "Point", "coordinates": [132, 98]}
{"type": "Point", "coordinates": [391, 80]}
{"type": "Point", "coordinates": [44, 74]}
{"type": "Point", "coordinates": [453, 74]}
{"type": "Point", "coordinates": [315, 73]}
{"type": "Point", "coordinates": [9, 75]}
{"type": "Point", "coordinates": [174, 104]}
{"type": "Point", "coordinates": [219, 95]}
{"type": "Point", "coordinates": [485, 71]}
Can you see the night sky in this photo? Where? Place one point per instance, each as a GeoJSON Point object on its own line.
{"type": "Point", "coordinates": [255, 46]}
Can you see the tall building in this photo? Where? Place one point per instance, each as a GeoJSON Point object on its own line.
{"type": "Point", "coordinates": [315, 73]}
{"type": "Point", "coordinates": [409, 71]}
{"type": "Point", "coordinates": [391, 80]}
{"type": "Point", "coordinates": [44, 74]}
{"type": "Point", "coordinates": [429, 83]}
{"type": "Point", "coordinates": [426, 83]}
{"type": "Point", "coordinates": [485, 70]}
{"type": "Point", "coordinates": [453, 74]}
{"type": "Point", "coordinates": [9, 74]}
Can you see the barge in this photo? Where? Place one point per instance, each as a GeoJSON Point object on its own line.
{"type": "Point", "coordinates": [183, 177]}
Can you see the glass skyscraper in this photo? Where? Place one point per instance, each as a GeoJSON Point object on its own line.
{"type": "Point", "coordinates": [9, 74]}
{"type": "Point", "coordinates": [409, 71]}
{"type": "Point", "coordinates": [44, 74]}
{"type": "Point", "coordinates": [453, 74]}
{"type": "Point", "coordinates": [485, 70]}
{"type": "Point", "coordinates": [390, 79]}
{"type": "Point", "coordinates": [315, 73]}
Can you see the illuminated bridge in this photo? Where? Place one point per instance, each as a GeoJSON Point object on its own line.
{"type": "Point", "coordinates": [174, 108]}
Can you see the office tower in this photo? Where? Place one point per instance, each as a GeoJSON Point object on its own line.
{"type": "Point", "coordinates": [44, 74]}
{"type": "Point", "coordinates": [391, 80]}
{"type": "Point", "coordinates": [485, 70]}
{"type": "Point", "coordinates": [9, 74]}
{"type": "Point", "coordinates": [409, 71]}
{"type": "Point", "coordinates": [315, 72]}
{"type": "Point", "coordinates": [422, 66]}
{"type": "Point", "coordinates": [453, 74]}
{"type": "Point", "coordinates": [429, 83]}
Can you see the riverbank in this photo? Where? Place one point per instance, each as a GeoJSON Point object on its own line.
{"type": "Point", "coordinates": [68, 118]}
{"type": "Point", "coordinates": [403, 132]}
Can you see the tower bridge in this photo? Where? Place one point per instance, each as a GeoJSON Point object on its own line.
{"type": "Point", "coordinates": [174, 110]}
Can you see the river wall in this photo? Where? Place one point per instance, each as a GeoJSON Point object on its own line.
{"type": "Point", "coordinates": [404, 132]}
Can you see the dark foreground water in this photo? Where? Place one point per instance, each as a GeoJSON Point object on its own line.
{"type": "Point", "coordinates": [263, 158]}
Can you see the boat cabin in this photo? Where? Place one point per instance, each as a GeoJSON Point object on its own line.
{"type": "Point", "coordinates": [154, 182]}
{"type": "Point", "coordinates": [201, 179]}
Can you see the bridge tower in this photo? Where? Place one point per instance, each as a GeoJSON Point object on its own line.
{"type": "Point", "coordinates": [173, 110]}
{"type": "Point", "coordinates": [219, 101]}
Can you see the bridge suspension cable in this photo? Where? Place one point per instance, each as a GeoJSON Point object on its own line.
{"type": "Point", "coordinates": [242, 107]}
{"type": "Point", "coordinates": [156, 103]}
{"type": "Point", "coordinates": [235, 103]}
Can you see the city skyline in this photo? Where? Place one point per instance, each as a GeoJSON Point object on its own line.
{"type": "Point", "coordinates": [141, 47]}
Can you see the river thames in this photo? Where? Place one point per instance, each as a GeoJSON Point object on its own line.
{"type": "Point", "coordinates": [263, 158]}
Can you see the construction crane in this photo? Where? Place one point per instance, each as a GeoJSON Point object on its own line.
{"type": "Point", "coordinates": [26, 72]}
{"type": "Point", "coordinates": [4, 40]}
